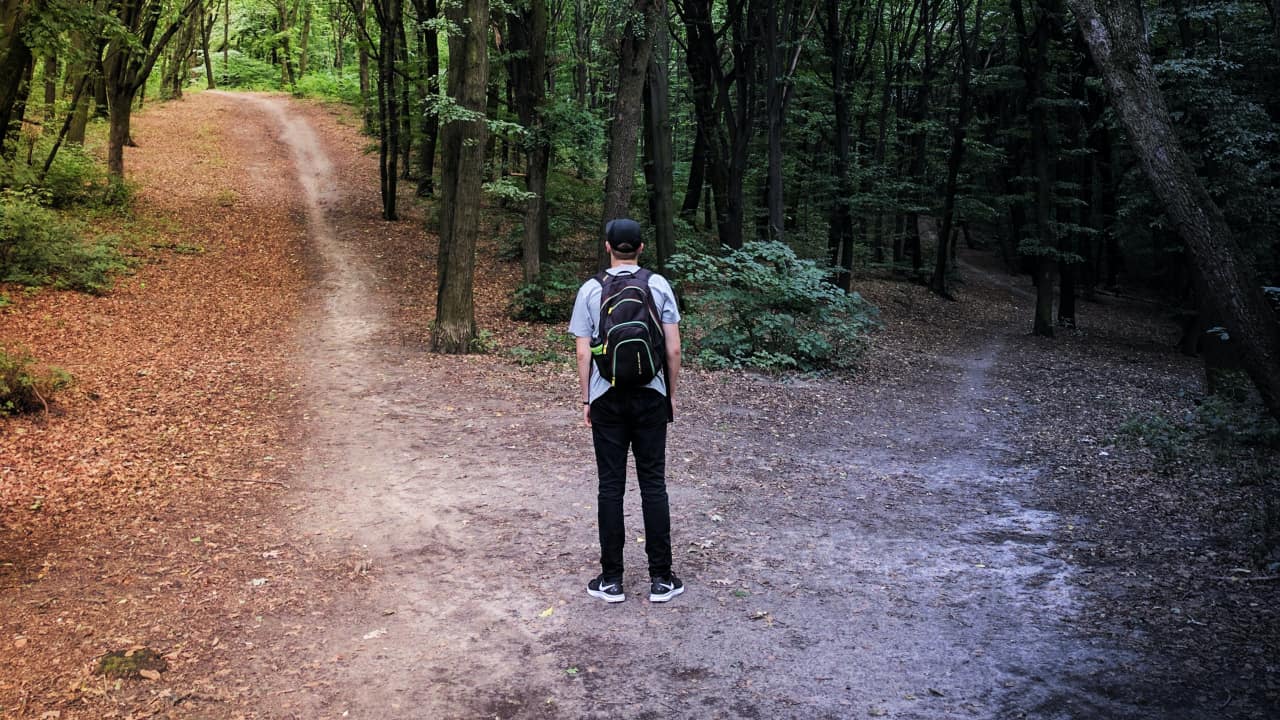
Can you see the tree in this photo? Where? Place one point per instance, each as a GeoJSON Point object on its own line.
{"type": "Point", "coordinates": [527, 43]}
{"type": "Point", "coordinates": [128, 62]}
{"type": "Point", "coordinates": [462, 165]}
{"type": "Point", "coordinates": [1116, 36]}
{"type": "Point", "coordinates": [624, 127]}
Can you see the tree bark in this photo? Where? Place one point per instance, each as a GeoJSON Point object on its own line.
{"type": "Point", "coordinates": [207, 19]}
{"type": "Point", "coordinates": [430, 122]}
{"type": "Point", "coordinates": [463, 166]}
{"type": "Point", "coordinates": [658, 167]}
{"type": "Point", "coordinates": [15, 61]}
{"type": "Point", "coordinates": [697, 177]}
{"type": "Point", "coordinates": [1117, 41]}
{"type": "Point", "coordinates": [527, 39]}
{"type": "Point", "coordinates": [624, 128]}
{"type": "Point", "coordinates": [938, 283]}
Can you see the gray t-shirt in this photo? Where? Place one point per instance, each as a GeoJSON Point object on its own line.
{"type": "Point", "coordinates": [586, 316]}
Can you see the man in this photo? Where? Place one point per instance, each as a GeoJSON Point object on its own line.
{"type": "Point", "coordinates": [635, 417]}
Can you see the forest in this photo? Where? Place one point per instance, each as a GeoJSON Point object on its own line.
{"type": "Point", "coordinates": [1098, 146]}
{"type": "Point", "coordinates": [981, 316]}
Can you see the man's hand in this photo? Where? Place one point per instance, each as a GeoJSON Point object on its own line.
{"type": "Point", "coordinates": [586, 415]}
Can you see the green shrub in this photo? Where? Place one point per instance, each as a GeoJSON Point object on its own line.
{"type": "Point", "coordinates": [549, 298]}
{"type": "Point", "coordinates": [25, 387]}
{"type": "Point", "coordinates": [763, 307]}
{"type": "Point", "coordinates": [328, 86]}
{"type": "Point", "coordinates": [38, 247]}
{"type": "Point", "coordinates": [244, 72]}
{"type": "Point", "coordinates": [74, 179]}
{"type": "Point", "coordinates": [1166, 438]}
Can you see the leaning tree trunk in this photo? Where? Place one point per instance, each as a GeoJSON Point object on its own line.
{"type": "Point", "coordinates": [463, 168]}
{"type": "Point", "coordinates": [1116, 37]}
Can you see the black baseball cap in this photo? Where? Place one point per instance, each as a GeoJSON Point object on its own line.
{"type": "Point", "coordinates": [623, 235]}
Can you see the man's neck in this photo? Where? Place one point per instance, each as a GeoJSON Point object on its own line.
{"type": "Point", "coordinates": [616, 263]}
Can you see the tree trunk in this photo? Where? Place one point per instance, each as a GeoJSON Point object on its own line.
{"type": "Point", "coordinates": [658, 166]}
{"type": "Point", "coordinates": [527, 39]}
{"type": "Point", "coordinates": [207, 20]}
{"type": "Point", "coordinates": [697, 176]}
{"type": "Point", "coordinates": [938, 283]}
{"type": "Point", "coordinates": [50, 87]}
{"type": "Point", "coordinates": [463, 167]}
{"type": "Point", "coordinates": [15, 61]}
{"type": "Point", "coordinates": [624, 128]}
{"type": "Point", "coordinates": [362, 21]}
{"type": "Point", "coordinates": [304, 40]}
{"type": "Point", "coordinates": [709, 86]}
{"type": "Point", "coordinates": [120, 108]}
{"type": "Point", "coordinates": [773, 91]}
{"type": "Point", "coordinates": [839, 222]}
{"type": "Point", "coordinates": [430, 122]}
{"type": "Point", "coordinates": [1117, 40]}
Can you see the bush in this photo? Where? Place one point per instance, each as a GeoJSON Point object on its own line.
{"type": "Point", "coordinates": [246, 73]}
{"type": "Point", "coordinates": [343, 88]}
{"type": "Point", "coordinates": [24, 387]}
{"type": "Point", "coordinates": [549, 298]}
{"type": "Point", "coordinates": [74, 179]}
{"type": "Point", "coordinates": [38, 247]}
{"type": "Point", "coordinates": [763, 307]}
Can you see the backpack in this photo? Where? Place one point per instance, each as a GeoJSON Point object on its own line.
{"type": "Point", "coordinates": [629, 349]}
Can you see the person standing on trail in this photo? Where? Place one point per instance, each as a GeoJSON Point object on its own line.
{"type": "Point", "coordinates": [626, 324]}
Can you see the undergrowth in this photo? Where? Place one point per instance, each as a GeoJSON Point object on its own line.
{"type": "Point", "coordinates": [26, 386]}
{"type": "Point", "coordinates": [763, 307]}
{"type": "Point", "coordinates": [40, 247]}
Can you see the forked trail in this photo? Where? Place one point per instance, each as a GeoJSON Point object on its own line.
{"type": "Point", "coordinates": [849, 549]}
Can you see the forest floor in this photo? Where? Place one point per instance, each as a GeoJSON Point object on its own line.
{"type": "Point", "coordinates": [263, 475]}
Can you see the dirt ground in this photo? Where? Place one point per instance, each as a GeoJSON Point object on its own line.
{"type": "Point", "coordinates": [376, 531]}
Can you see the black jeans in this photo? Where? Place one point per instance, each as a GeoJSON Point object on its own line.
{"type": "Point", "coordinates": [635, 418]}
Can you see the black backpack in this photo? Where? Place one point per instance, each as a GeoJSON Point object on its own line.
{"type": "Point", "coordinates": [629, 349]}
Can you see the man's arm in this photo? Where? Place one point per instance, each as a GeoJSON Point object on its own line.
{"type": "Point", "coordinates": [584, 376]}
{"type": "Point", "coordinates": [671, 338]}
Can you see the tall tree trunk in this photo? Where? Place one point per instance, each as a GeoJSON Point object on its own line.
{"type": "Point", "coordinates": [305, 40]}
{"type": "Point", "coordinates": [527, 39]}
{"type": "Point", "coordinates": [361, 9]}
{"type": "Point", "coordinates": [1117, 39]}
{"type": "Point", "coordinates": [624, 127]}
{"type": "Point", "coordinates": [50, 87]}
{"type": "Point", "coordinates": [15, 64]}
{"type": "Point", "coordinates": [207, 19]}
{"type": "Point", "coordinates": [773, 90]}
{"type": "Point", "coordinates": [839, 223]}
{"type": "Point", "coordinates": [938, 283]}
{"type": "Point", "coordinates": [388, 14]}
{"type": "Point", "coordinates": [463, 166]}
{"type": "Point", "coordinates": [658, 151]}
{"type": "Point", "coordinates": [429, 122]}
{"type": "Point", "coordinates": [709, 88]}
{"type": "Point", "coordinates": [697, 176]}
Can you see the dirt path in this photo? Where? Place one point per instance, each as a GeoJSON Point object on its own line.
{"type": "Point", "coordinates": [849, 549]}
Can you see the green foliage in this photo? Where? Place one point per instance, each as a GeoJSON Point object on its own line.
{"type": "Point", "coordinates": [484, 342]}
{"type": "Point", "coordinates": [340, 87]}
{"type": "Point", "coordinates": [25, 386]}
{"type": "Point", "coordinates": [1164, 437]}
{"type": "Point", "coordinates": [763, 307]}
{"type": "Point", "coordinates": [38, 247]}
{"type": "Point", "coordinates": [74, 179]}
{"type": "Point", "coordinates": [245, 72]}
{"type": "Point", "coordinates": [557, 347]}
{"type": "Point", "coordinates": [577, 137]}
{"type": "Point", "coordinates": [550, 297]}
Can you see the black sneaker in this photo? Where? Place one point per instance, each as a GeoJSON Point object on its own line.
{"type": "Point", "coordinates": [609, 591]}
{"type": "Point", "coordinates": [662, 589]}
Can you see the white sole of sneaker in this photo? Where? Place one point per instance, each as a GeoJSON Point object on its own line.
{"type": "Point", "coordinates": [606, 597]}
{"type": "Point", "coordinates": [666, 596]}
